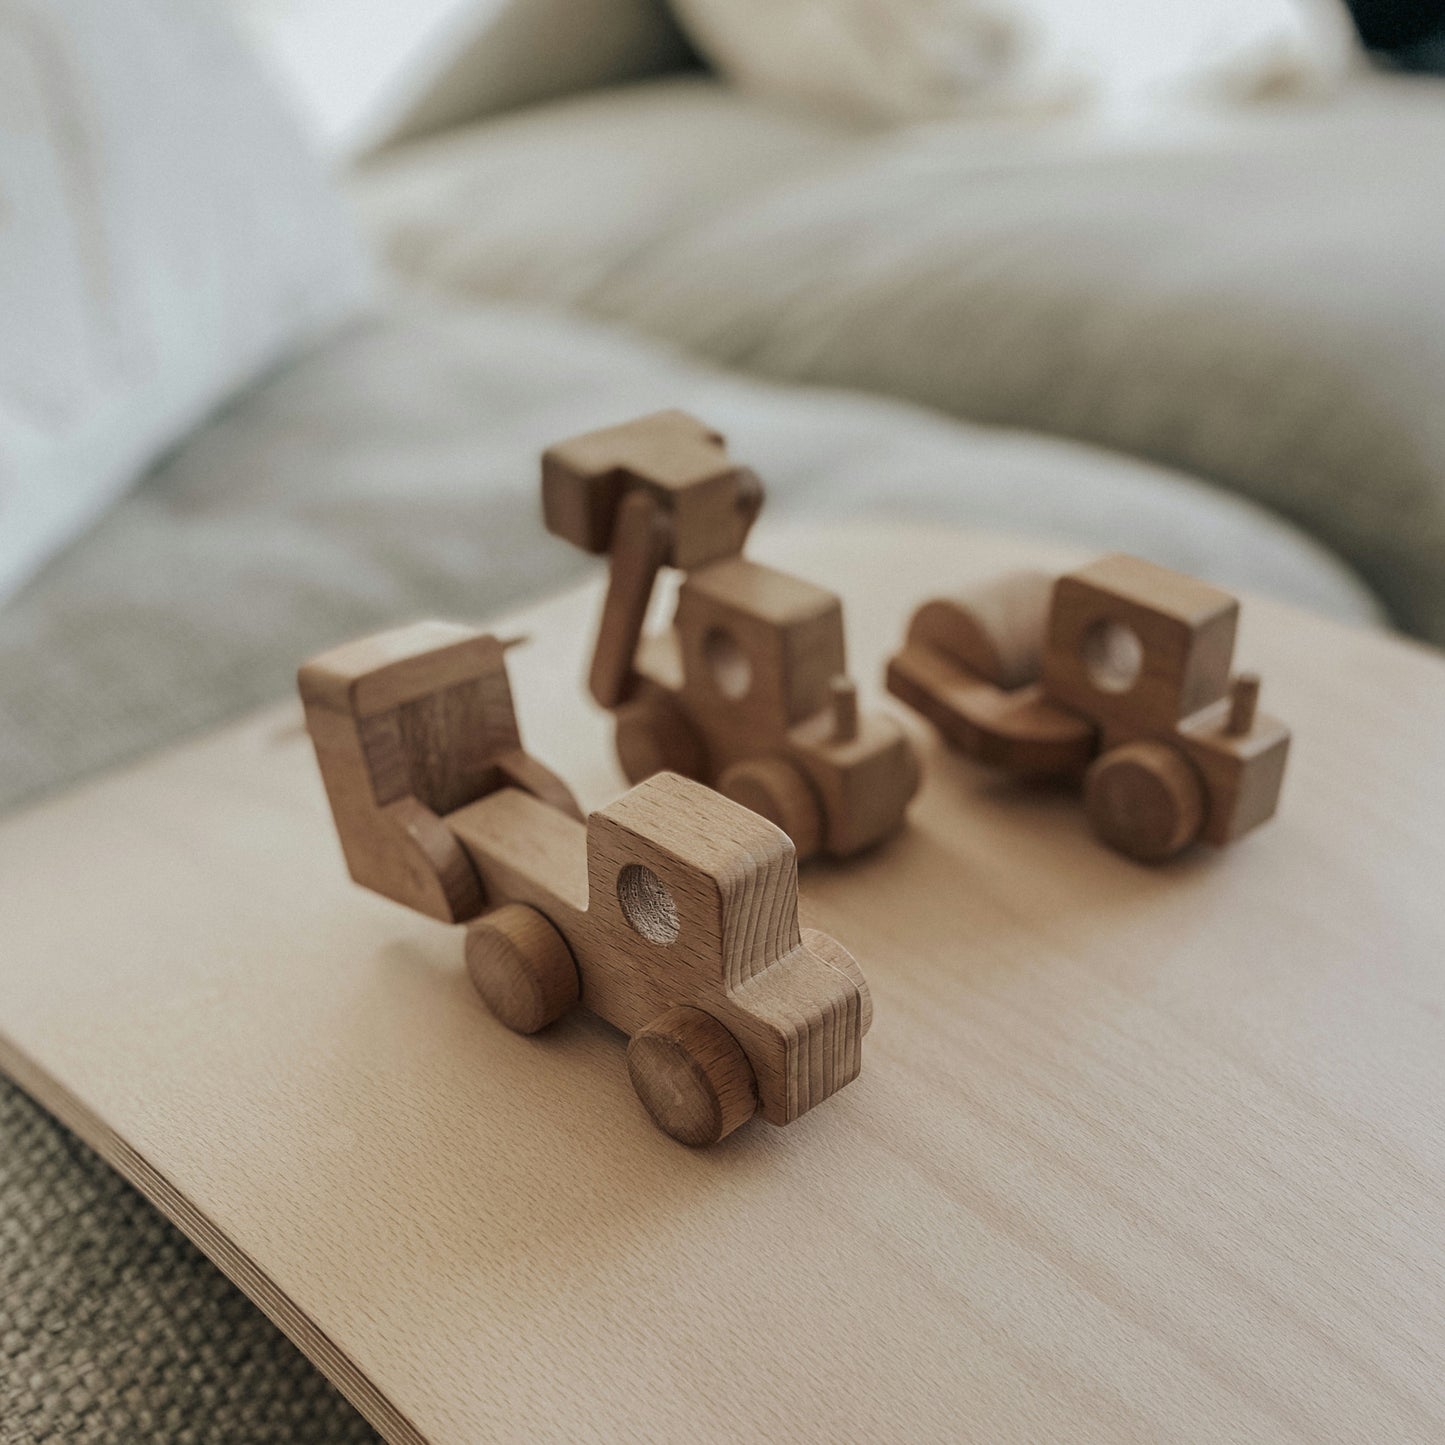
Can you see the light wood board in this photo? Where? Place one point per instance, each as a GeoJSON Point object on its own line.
{"type": "Point", "coordinates": [1136, 1155]}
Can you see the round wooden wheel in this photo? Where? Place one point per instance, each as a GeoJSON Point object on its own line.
{"type": "Point", "coordinates": [781, 794]}
{"type": "Point", "coordinates": [1146, 800]}
{"type": "Point", "coordinates": [653, 736]}
{"type": "Point", "coordinates": [692, 1076]}
{"type": "Point", "coordinates": [522, 967]}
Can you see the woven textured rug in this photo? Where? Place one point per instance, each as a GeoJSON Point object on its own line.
{"type": "Point", "coordinates": [114, 1328]}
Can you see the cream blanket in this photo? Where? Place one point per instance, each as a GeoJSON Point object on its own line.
{"type": "Point", "coordinates": [1259, 301]}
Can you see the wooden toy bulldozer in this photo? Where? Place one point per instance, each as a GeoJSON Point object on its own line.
{"type": "Point", "coordinates": [672, 914]}
{"type": "Point", "coordinates": [748, 690]}
{"type": "Point", "coordinates": [1119, 672]}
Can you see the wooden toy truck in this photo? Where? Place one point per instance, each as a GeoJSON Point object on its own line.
{"type": "Point", "coordinates": [672, 914]}
{"type": "Point", "coordinates": [748, 690]}
{"type": "Point", "coordinates": [1119, 671]}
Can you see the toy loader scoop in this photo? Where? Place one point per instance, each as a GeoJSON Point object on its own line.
{"type": "Point", "coordinates": [1121, 672]}
{"type": "Point", "coordinates": [672, 913]}
{"type": "Point", "coordinates": [748, 690]}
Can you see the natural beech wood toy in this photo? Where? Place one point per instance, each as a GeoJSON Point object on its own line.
{"type": "Point", "coordinates": [748, 690]}
{"type": "Point", "coordinates": [672, 914]}
{"type": "Point", "coordinates": [1119, 671]}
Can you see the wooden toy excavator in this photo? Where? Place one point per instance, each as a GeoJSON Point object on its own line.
{"type": "Point", "coordinates": [672, 914]}
{"type": "Point", "coordinates": [1119, 672]}
{"type": "Point", "coordinates": [748, 690]}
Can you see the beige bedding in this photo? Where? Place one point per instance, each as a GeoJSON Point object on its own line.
{"type": "Point", "coordinates": [1259, 301]}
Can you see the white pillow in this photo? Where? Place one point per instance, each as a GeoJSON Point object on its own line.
{"type": "Point", "coordinates": [164, 236]}
{"type": "Point", "coordinates": [369, 72]}
{"type": "Point", "coordinates": [895, 60]}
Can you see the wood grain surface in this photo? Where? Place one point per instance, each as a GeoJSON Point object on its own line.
{"type": "Point", "coordinates": [1136, 1154]}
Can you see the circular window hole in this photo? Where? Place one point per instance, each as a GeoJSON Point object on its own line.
{"type": "Point", "coordinates": [1113, 656]}
{"type": "Point", "coordinates": [646, 903]}
{"type": "Point", "coordinates": [732, 673]}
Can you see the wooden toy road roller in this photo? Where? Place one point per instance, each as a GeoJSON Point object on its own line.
{"type": "Point", "coordinates": [748, 690]}
{"type": "Point", "coordinates": [1121, 672]}
{"type": "Point", "coordinates": [672, 914]}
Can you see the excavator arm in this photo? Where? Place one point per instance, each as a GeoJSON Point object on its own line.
{"type": "Point", "coordinates": [653, 493]}
{"type": "Point", "coordinates": [641, 545]}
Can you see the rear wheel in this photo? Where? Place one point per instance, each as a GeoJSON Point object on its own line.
{"type": "Point", "coordinates": [654, 736]}
{"type": "Point", "coordinates": [522, 967]}
{"type": "Point", "coordinates": [777, 790]}
{"type": "Point", "coordinates": [692, 1076]}
{"type": "Point", "coordinates": [1146, 800]}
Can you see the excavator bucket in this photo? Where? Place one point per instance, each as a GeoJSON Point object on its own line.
{"type": "Point", "coordinates": [410, 725]}
{"type": "Point", "coordinates": [709, 502]}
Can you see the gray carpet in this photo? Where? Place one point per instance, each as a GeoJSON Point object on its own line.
{"type": "Point", "coordinates": [114, 1328]}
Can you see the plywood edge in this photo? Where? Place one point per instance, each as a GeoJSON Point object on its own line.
{"type": "Point", "coordinates": [212, 1241]}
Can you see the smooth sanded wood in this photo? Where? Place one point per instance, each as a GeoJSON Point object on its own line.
{"type": "Point", "coordinates": [1136, 1154]}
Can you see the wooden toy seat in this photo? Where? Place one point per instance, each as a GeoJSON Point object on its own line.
{"type": "Point", "coordinates": [410, 726]}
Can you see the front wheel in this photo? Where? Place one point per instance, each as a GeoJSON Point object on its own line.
{"type": "Point", "coordinates": [1146, 800]}
{"type": "Point", "coordinates": [692, 1076]}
